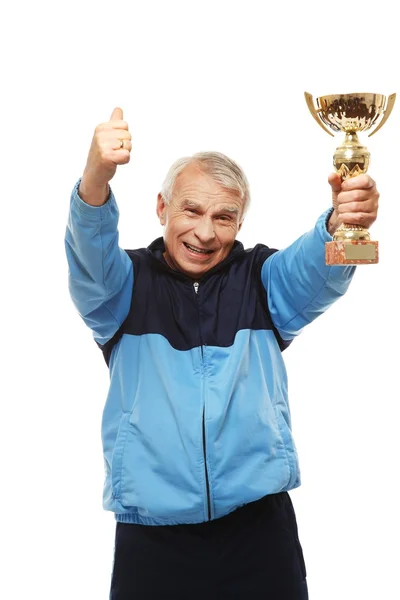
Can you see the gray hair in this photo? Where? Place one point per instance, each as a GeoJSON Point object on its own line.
{"type": "Point", "coordinates": [222, 169]}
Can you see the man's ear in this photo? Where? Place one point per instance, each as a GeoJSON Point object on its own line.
{"type": "Point", "coordinates": [161, 209]}
{"type": "Point", "coordinates": [240, 225]}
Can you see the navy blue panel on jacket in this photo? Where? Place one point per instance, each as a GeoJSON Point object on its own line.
{"type": "Point", "coordinates": [229, 298]}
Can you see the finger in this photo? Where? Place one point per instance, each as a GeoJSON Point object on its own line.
{"type": "Point", "coordinates": [359, 182]}
{"type": "Point", "coordinates": [120, 157]}
{"type": "Point", "coordinates": [357, 207]}
{"type": "Point", "coordinates": [335, 182]}
{"type": "Point", "coordinates": [117, 114]}
{"type": "Point", "coordinates": [111, 126]}
{"type": "Point", "coordinates": [122, 134]}
{"type": "Point", "coordinates": [126, 144]}
{"type": "Point", "coordinates": [356, 196]}
{"type": "Point", "coordinates": [117, 125]}
{"type": "Point", "coordinates": [360, 218]}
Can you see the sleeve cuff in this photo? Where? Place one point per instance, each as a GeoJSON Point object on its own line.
{"type": "Point", "coordinates": [322, 225]}
{"type": "Point", "coordinates": [100, 212]}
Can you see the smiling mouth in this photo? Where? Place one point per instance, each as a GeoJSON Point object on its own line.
{"type": "Point", "coordinates": [198, 250]}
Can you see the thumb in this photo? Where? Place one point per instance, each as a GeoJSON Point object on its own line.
{"type": "Point", "coordinates": [335, 181]}
{"type": "Point", "coordinates": [117, 115]}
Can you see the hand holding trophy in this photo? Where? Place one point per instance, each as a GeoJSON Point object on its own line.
{"type": "Point", "coordinates": [351, 113]}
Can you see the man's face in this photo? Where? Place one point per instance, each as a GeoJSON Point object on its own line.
{"type": "Point", "coordinates": [201, 222]}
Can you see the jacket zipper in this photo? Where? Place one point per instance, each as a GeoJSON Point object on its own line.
{"type": "Point", "coordinates": [205, 467]}
{"type": "Point", "coordinates": [196, 289]}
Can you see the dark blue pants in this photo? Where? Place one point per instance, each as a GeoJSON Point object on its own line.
{"type": "Point", "coordinates": [253, 553]}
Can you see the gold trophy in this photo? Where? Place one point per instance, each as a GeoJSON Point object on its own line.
{"type": "Point", "coordinates": [351, 113]}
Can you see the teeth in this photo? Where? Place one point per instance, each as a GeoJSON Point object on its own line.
{"type": "Point", "coordinates": [197, 249]}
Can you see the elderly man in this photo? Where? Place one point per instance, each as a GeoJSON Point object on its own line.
{"type": "Point", "coordinates": [196, 429]}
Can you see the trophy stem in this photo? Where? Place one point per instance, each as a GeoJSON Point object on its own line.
{"type": "Point", "coordinates": [351, 158]}
{"type": "Point", "coordinates": [351, 243]}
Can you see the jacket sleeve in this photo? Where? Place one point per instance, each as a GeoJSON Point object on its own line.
{"type": "Point", "coordinates": [100, 273]}
{"type": "Point", "coordinates": [298, 283]}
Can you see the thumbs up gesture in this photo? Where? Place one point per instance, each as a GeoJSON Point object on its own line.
{"type": "Point", "coordinates": [111, 146]}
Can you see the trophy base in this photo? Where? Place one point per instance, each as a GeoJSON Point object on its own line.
{"type": "Point", "coordinates": [351, 253]}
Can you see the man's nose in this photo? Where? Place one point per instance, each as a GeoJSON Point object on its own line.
{"type": "Point", "coordinates": [205, 230]}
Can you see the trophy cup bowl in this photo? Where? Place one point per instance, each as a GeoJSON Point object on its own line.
{"type": "Point", "coordinates": [350, 114]}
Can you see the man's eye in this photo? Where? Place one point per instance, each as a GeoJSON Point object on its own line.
{"type": "Point", "coordinates": [191, 210]}
{"type": "Point", "coordinates": [224, 218]}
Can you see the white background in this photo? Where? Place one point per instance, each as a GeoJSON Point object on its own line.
{"type": "Point", "coordinates": [190, 76]}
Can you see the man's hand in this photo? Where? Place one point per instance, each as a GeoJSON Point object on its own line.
{"type": "Point", "coordinates": [105, 154]}
{"type": "Point", "coordinates": [355, 201]}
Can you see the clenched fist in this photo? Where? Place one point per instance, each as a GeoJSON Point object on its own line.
{"type": "Point", "coordinates": [355, 201]}
{"type": "Point", "coordinates": [111, 146]}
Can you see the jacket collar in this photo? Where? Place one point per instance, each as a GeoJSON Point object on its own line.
{"type": "Point", "coordinates": [157, 249]}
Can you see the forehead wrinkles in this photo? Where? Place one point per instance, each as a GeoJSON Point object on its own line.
{"type": "Point", "coordinates": [202, 191]}
{"type": "Point", "coordinates": [193, 181]}
{"type": "Point", "coordinates": [198, 196]}
{"type": "Point", "coordinates": [196, 190]}
{"type": "Point", "coordinates": [221, 204]}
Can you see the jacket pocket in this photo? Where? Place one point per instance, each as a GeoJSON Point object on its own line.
{"type": "Point", "coordinates": [289, 445]}
{"type": "Point", "coordinates": [118, 456]}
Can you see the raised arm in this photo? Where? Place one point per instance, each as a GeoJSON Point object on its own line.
{"type": "Point", "coordinates": [100, 273]}
{"type": "Point", "coordinates": [299, 285]}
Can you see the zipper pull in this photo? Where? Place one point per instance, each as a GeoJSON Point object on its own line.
{"type": "Point", "coordinates": [196, 287]}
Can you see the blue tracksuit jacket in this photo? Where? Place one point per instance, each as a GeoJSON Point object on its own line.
{"type": "Point", "coordinates": [197, 421]}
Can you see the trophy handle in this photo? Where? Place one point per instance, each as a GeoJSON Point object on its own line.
{"type": "Point", "coordinates": [388, 110]}
{"type": "Point", "coordinates": [310, 104]}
